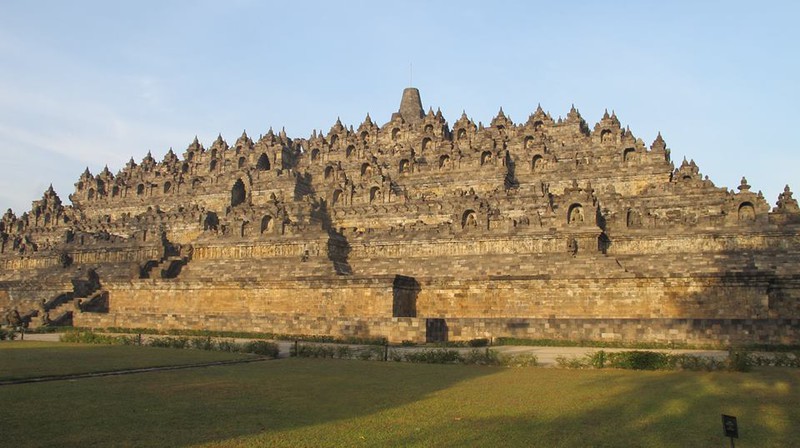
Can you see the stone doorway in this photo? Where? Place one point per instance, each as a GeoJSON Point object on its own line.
{"type": "Point", "coordinates": [435, 330]}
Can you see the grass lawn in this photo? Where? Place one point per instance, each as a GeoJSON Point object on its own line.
{"type": "Point", "coordinates": [316, 402]}
{"type": "Point", "coordinates": [27, 359]}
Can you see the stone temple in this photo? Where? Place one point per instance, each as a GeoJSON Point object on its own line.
{"type": "Point", "coordinates": [414, 230]}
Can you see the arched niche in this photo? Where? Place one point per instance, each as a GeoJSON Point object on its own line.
{"type": "Point", "coordinates": [266, 224]}
{"type": "Point", "coordinates": [366, 170]}
{"type": "Point", "coordinates": [241, 162]}
{"type": "Point", "coordinates": [91, 194]}
{"type": "Point", "coordinates": [469, 220]}
{"type": "Point", "coordinates": [461, 134]}
{"type": "Point", "coordinates": [375, 194]}
{"type": "Point", "coordinates": [167, 187]}
{"type": "Point", "coordinates": [211, 221]}
{"type": "Point", "coordinates": [238, 193]}
{"type": "Point", "coordinates": [605, 136]}
{"type": "Point", "coordinates": [537, 162]}
{"type": "Point", "coordinates": [444, 162]}
{"type": "Point", "coordinates": [350, 151]}
{"type": "Point", "coordinates": [334, 139]}
{"type": "Point", "coordinates": [426, 144]}
{"type": "Point", "coordinates": [212, 166]}
{"type": "Point", "coordinates": [336, 196]}
{"type": "Point", "coordinates": [395, 134]}
{"type": "Point", "coordinates": [314, 154]}
{"type": "Point", "coordinates": [528, 142]}
{"type": "Point", "coordinates": [486, 157]}
{"type": "Point", "coordinates": [114, 191]}
{"type": "Point", "coordinates": [328, 173]}
{"type": "Point", "coordinates": [263, 163]}
{"type": "Point", "coordinates": [628, 155]}
{"type": "Point", "coordinates": [246, 228]}
{"type": "Point", "coordinates": [140, 189]}
{"type": "Point", "coordinates": [575, 214]}
{"type": "Point", "coordinates": [747, 212]}
{"type": "Point", "coordinates": [405, 166]}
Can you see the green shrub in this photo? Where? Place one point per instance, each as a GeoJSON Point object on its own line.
{"type": "Point", "coordinates": [226, 345]}
{"type": "Point", "coordinates": [7, 334]}
{"type": "Point", "coordinates": [314, 351]}
{"type": "Point", "coordinates": [482, 342]}
{"type": "Point", "coordinates": [89, 337]}
{"type": "Point", "coordinates": [371, 353]}
{"type": "Point", "coordinates": [202, 343]}
{"type": "Point", "coordinates": [262, 348]}
{"type": "Point", "coordinates": [482, 357]}
{"type": "Point", "coordinates": [638, 360]}
{"type": "Point", "coordinates": [408, 343]}
{"type": "Point", "coordinates": [344, 352]}
{"type": "Point", "coordinates": [597, 359]}
{"type": "Point", "coordinates": [436, 356]}
{"type": "Point", "coordinates": [169, 342]}
{"type": "Point", "coordinates": [572, 362]}
{"type": "Point", "coordinates": [521, 360]}
{"type": "Point", "coordinates": [739, 361]}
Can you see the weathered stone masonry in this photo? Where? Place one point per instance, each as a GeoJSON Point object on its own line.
{"type": "Point", "coordinates": [415, 230]}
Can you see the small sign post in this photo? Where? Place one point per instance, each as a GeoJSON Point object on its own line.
{"type": "Point", "coordinates": [730, 427]}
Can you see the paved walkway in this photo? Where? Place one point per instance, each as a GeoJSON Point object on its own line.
{"type": "Point", "coordinates": [545, 355]}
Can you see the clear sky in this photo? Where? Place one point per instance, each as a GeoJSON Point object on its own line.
{"type": "Point", "coordinates": [90, 83]}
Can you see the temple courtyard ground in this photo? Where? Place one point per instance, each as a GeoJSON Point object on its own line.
{"type": "Point", "coordinates": [317, 402]}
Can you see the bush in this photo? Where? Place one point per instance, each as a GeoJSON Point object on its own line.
{"type": "Point", "coordinates": [226, 345]}
{"type": "Point", "coordinates": [638, 360]}
{"type": "Point", "coordinates": [437, 356]}
{"type": "Point", "coordinates": [89, 337]}
{"type": "Point", "coordinates": [482, 342]}
{"type": "Point", "coordinates": [169, 342]}
{"type": "Point", "coordinates": [597, 359]}
{"type": "Point", "coordinates": [314, 351]}
{"type": "Point", "coordinates": [371, 353]}
{"type": "Point", "coordinates": [262, 348]}
{"type": "Point", "coordinates": [7, 334]}
{"type": "Point", "coordinates": [572, 362]}
{"type": "Point", "coordinates": [521, 360]}
{"type": "Point", "coordinates": [739, 361]}
{"type": "Point", "coordinates": [483, 357]}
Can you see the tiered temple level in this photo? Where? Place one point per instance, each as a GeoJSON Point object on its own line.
{"type": "Point", "coordinates": [415, 230]}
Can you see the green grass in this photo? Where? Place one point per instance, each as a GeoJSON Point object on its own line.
{"type": "Point", "coordinates": [316, 402]}
{"type": "Point", "coordinates": [29, 359]}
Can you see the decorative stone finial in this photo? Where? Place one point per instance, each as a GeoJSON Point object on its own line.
{"type": "Point", "coordinates": [743, 186]}
{"type": "Point", "coordinates": [411, 106]}
{"type": "Point", "coordinates": [786, 203]}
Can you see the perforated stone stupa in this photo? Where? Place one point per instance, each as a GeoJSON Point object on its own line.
{"type": "Point", "coordinates": [414, 230]}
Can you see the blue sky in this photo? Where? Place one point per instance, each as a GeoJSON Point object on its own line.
{"type": "Point", "coordinates": [90, 83]}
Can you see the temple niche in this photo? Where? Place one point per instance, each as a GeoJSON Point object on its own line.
{"type": "Point", "coordinates": [417, 229]}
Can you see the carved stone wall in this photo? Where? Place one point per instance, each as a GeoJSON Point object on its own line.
{"type": "Point", "coordinates": [548, 221]}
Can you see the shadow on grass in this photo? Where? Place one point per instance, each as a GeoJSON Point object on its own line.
{"type": "Point", "coordinates": [308, 402]}
{"type": "Point", "coordinates": [634, 409]}
{"type": "Point", "coordinates": [216, 403]}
